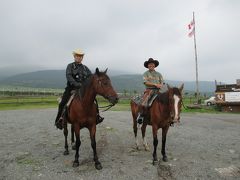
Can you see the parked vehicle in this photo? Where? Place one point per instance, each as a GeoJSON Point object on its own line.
{"type": "Point", "coordinates": [210, 101]}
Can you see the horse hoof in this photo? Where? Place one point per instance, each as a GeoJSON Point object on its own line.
{"type": "Point", "coordinates": [66, 153]}
{"type": "Point", "coordinates": [155, 162]}
{"type": "Point", "coordinates": [165, 159]}
{"type": "Point", "coordinates": [75, 164]}
{"type": "Point", "coordinates": [74, 147]}
{"type": "Point", "coordinates": [98, 166]}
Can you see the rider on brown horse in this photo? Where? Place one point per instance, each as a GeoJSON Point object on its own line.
{"type": "Point", "coordinates": [76, 74]}
{"type": "Point", "coordinates": [153, 81]}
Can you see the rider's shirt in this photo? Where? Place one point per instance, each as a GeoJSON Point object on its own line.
{"type": "Point", "coordinates": [153, 77]}
{"type": "Point", "coordinates": [76, 74]}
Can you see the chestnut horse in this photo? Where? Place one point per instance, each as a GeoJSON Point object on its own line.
{"type": "Point", "coordinates": [165, 110]}
{"type": "Point", "coordinates": [82, 112]}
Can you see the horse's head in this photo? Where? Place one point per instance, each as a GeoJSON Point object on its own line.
{"type": "Point", "coordinates": [175, 102]}
{"type": "Point", "coordinates": [102, 85]}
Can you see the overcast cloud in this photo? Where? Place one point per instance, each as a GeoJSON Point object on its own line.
{"type": "Point", "coordinates": [122, 34]}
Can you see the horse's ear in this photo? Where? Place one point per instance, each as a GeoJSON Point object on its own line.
{"type": "Point", "coordinates": [168, 86]}
{"type": "Point", "coordinates": [181, 87]}
{"type": "Point", "coordinates": [97, 71]}
{"type": "Point", "coordinates": [105, 71]}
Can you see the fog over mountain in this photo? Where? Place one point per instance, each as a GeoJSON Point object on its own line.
{"type": "Point", "coordinates": [121, 82]}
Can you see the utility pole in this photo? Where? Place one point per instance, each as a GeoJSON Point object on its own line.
{"type": "Point", "coordinates": [196, 62]}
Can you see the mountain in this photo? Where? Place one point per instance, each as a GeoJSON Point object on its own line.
{"type": "Point", "coordinates": [127, 82]}
{"type": "Point", "coordinates": [38, 79]}
{"type": "Point", "coordinates": [135, 83]}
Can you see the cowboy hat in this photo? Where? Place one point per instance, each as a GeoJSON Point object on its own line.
{"type": "Point", "coordinates": [151, 60]}
{"type": "Point", "coordinates": [78, 52]}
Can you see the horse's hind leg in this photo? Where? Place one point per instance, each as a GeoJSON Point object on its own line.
{"type": "Point", "coordinates": [145, 144]}
{"type": "Point", "coordinates": [164, 137]}
{"type": "Point", "coordinates": [65, 132]}
{"type": "Point", "coordinates": [98, 165]}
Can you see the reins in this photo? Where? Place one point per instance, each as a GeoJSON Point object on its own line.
{"type": "Point", "coordinates": [107, 107]}
{"type": "Point", "coordinates": [184, 105]}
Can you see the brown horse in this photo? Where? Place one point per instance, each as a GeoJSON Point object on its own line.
{"type": "Point", "coordinates": [82, 112]}
{"type": "Point", "coordinates": [165, 109]}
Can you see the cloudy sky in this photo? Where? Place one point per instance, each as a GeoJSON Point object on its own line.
{"type": "Point", "coordinates": [122, 34]}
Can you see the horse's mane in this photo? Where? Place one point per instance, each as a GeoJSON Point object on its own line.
{"type": "Point", "coordinates": [81, 92]}
{"type": "Point", "coordinates": [176, 91]}
{"type": "Point", "coordinates": [164, 97]}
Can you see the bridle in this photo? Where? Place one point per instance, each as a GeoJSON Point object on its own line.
{"type": "Point", "coordinates": [183, 105]}
{"type": "Point", "coordinates": [99, 83]}
{"type": "Point", "coordinates": [173, 106]}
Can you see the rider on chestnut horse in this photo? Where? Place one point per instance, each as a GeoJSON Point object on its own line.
{"type": "Point", "coordinates": [76, 74]}
{"type": "Point", "coordinates": [153, 81]}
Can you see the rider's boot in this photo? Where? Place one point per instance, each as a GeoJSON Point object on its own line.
{"type": "Point", "coordinates": [59, 119]}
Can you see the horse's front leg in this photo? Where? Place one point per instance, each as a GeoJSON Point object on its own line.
{"type": "Point", "coordinates": [155, 143]}
{"type": "Point", "coordinates": [65, 132]}
{"type": "Point", "coordinates": [92, 131]}
{"type": "Point", "coordinates": [78, 143]}
{"type": "Point", "coordinates": [72, 138]}
{"type": "Point", "coordinates": [145, 144]}
{"type": "Point", "coordinates": [164, 137]}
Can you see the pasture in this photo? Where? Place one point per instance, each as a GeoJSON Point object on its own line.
{"type": "Point", "coordinates": [203, 146]}
{"type": "Point", "coordinates": [36, 101]}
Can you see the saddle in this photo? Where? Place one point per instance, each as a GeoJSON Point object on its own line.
{"type": "Point", "coordinates": [65, 111]}
{"type": "Point", "coordinates": [144, 102]}
{"type": "Point", "coordinates": [146, 99]}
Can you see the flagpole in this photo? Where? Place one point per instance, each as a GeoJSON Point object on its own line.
{"type": "Point", "coordinates": [196, 62]}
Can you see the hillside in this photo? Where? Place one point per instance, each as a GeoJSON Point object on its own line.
{"type": "Point", "coordinates": [132, 82]}
{"type": "Point", "coordinates": [38, 79]}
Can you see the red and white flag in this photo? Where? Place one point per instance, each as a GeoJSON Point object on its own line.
{"type": "Point", "coordinates": [191, 28]}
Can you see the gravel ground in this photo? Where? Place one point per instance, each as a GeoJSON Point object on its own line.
{"type": "Point", "coordinates": [203, 146]}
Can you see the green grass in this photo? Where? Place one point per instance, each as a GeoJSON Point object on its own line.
{"type": "Point", "coordinates": [10, 103]}
{"type": "Point", "coordinates": [36, 102]}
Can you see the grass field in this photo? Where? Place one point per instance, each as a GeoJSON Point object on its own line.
{"type": "Point", "coordinates": [34, 102]}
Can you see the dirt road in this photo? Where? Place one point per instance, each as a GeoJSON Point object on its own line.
{"type": "Point", "coordinates": [203, 146]}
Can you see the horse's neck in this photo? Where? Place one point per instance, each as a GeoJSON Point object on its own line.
{"type": "Point", "coordinates": [163, 98]}
{"type": "Point", "coordinates": [89, 96]}
{"type": "Point", "coordinates": [163, 102]}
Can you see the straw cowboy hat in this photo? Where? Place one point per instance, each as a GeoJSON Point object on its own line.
{"type": "Point", "coordinates": [151, 60]}
{"type": "Point", "coordinates": [78, 52]}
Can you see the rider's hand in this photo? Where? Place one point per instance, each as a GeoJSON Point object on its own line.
{"type": "Point", "coordinates": [158, 85]}
{"type": "Point", "coordinates": [77, 84]}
